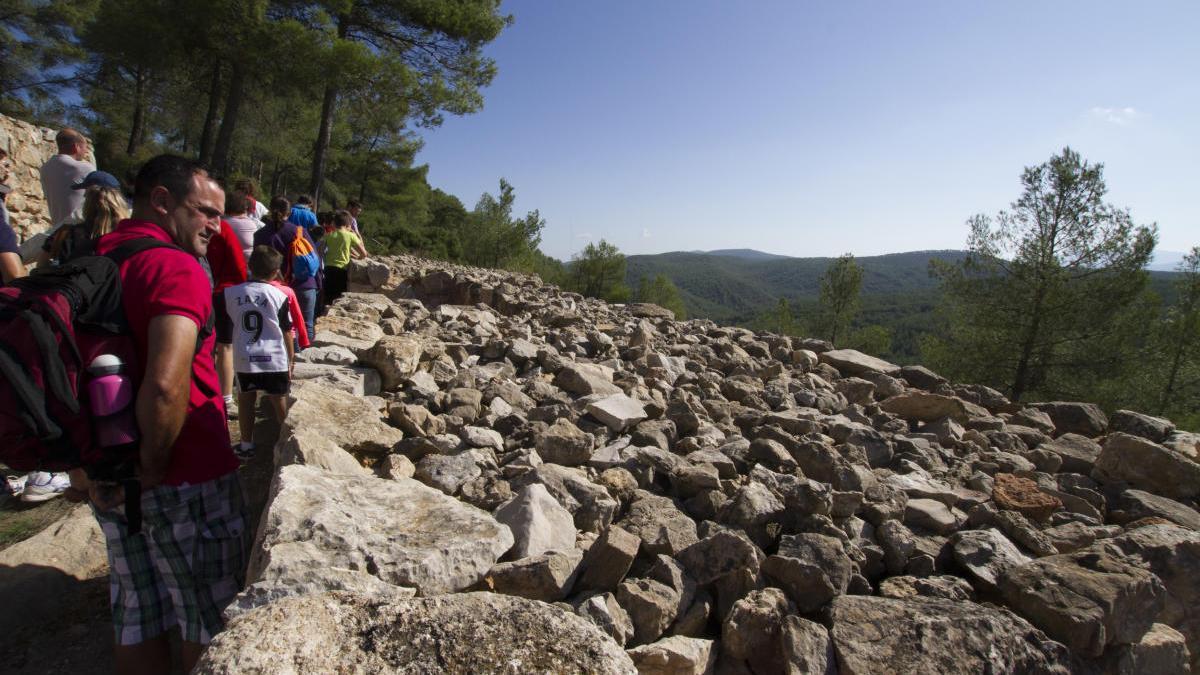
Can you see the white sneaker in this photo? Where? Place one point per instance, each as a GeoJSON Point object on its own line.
{"type": "Point", "coordinates": [41, 486]}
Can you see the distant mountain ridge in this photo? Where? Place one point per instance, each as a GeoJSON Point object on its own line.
{"type": "Point", "coordinates": [737, 284]}
{"type": "Point", "coordinates": [746, 254]}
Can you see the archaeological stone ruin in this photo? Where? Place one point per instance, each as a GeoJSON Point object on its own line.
{"type": "Point", "coordinates": [483, 473]}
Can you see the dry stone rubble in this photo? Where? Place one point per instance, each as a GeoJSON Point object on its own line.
{"type": "Point", "coordinates": [683, 497]}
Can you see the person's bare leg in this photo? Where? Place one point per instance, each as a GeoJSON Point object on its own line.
{"type": "Point", "coordinates": [225, 368]}
{"type": "Point", "coordinates": [278, 406]}
{"type": "Point", "coordinates": [152, 657]}
{"type": "Point", "coordinates": [246, 403]}
{"type": "Point", "coordinates": [190, 652]}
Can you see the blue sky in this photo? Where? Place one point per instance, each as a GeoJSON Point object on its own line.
{"type": "Point", "coordinates": [815, 129]}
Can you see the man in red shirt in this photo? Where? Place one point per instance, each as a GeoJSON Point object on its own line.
{"type": "Point", "coordinates": [189, 560]}
{"type": "Point", "coordinates": [228, 265]}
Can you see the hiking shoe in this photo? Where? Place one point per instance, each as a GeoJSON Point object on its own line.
{"type": "Point", "coordinates": [244, 451]}
{"type": "Point", "coordinates": [41, 486]}
{"type": "Point", "coordinates": [231, 409]}
{"type": "Point", "coordinates": [14, 485]}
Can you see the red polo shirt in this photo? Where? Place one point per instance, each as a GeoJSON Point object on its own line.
{"type": "Point", "coordinates": [170, 281]}
{"type": "Point", "coordinates": [226, 259]}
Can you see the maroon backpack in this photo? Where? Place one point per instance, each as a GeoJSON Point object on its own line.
{"type": "Point", "coordinates": [52, 324]}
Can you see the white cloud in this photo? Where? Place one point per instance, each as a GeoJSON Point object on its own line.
{"type": "Point", "coordinates": [1118, 116]}
{"type": "Point", "coordinates": [584, 235]}
{"type": "Point", "coordinates": [646, 233]}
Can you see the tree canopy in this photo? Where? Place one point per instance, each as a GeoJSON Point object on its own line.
{"type": "Point", "coordinates": [838, 301]}
{"type": "Point", "coordinates": [1045, 298]}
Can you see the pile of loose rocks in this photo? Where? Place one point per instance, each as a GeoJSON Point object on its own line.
{"type": "Point", "coordinates": [484, 473]}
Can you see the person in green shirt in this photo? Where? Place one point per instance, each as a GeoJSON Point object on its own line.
{"type": "Point", "coordinates": [340, 246]}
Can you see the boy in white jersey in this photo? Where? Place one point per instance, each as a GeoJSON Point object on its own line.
{"type": "Point", "coordinates": [254, 317]}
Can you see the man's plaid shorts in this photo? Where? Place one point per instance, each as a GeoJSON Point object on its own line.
{"type": "Point", "coordinates": [186, 565]}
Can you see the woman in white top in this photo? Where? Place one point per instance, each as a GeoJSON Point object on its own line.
{"type": "Point", "coordinates": [237, 204]}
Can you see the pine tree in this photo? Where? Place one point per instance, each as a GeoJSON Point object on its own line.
{"type": "Point", "coordinates": [662, 292]}
{"type": "Point", "coordinates": [838, 302]}
{"type": "Point", "coordinates": [1041, 302]}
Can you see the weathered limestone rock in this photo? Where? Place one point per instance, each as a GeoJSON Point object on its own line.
{"type": "Point", "coordinates": [1085, 419]}
{"type": "Point", "coordinates": [464, 633]}
{"type": "Point", "coordinates": [942, 586]}
{"type": "Point", "coordinates": [394, 356]}
{"type": "Point", "coordinates": [925, 407]}
{"type": "Point", "coordinates": [1153, 429]}
{"type": "Point", "coordinates": [351, 379]}
{"type": "Point", "coordinates": [1023, 496]}
{"type": "Point", "coordinates": [397, 466]}
{"type": "Point", "coordinates": [330, 429]}
{"type": "Point", "coordinates": [590, 503]}
{"type": "Point", "coordinates": [300, 577]}
{"type": "Point", "coordinates": [548, 577]}
{"type": "Point", "coordinates": [344, 331]}
{"type": "Point", "coordinates": [447, 473]}
{"type": "Point", "coordinates": [661, 526]}
{"type": "Point", "coordinates": [617, 411]}
{"type": "Point", "coordinates": [675, 655]}
{"type": "Point", "coordinates": [933, 516]}
{"type": "Point", "coordinates": [986, 555]}
{"type": "Point", "coordinates": [1137, 504]}
{"type": "Point", "coordinates": [1162, 650]}
{"type": "Point", "coordinates": [932, 635]}
{"type": "Point", "coordinates": [585, 379]}
{"type": "Point", "coordinates": [651, 605]}
{"type": "Point", "coordinates": [751, 510]}
{"type": "Point", "coordinates": [717, 555]}
{"type": "Point", "coordinates": [564, 443]}
{"type": "Point", "coordinates": [851, 362]}
{"type": "Point", "coordinates": [538, 522]}
{"type": "Point", "coordinates": [416, 420]}
{"type": "Point", "coordinates": [811, 568]}
{"type": "Point", "coordinates": [603, 610]}
{"type": "Point", "coordinates": [752, 630]}
{"type": "Point", "coordinates": [1172, 553]}
{"type": "Point", "coordinates": [39, 574]}
{"type": "Point", "coordinates": [608, 560]}
{"type": "Point", "coordinates": [1078, 453]}
{"type": "Point", "coordinates": [1147, 466]}
{"type": "Point", "coordinates": [1085, 600]}
{"type": "Point", "coordinates": [400, 531]}
{"type": "Point", "coordinates": [807, 649]}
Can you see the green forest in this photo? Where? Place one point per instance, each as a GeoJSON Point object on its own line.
{"type": "Point", "coordinates": [1049, 300]}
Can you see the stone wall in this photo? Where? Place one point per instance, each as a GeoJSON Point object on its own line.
{"type": "Point", "coordinates": [28, 147]}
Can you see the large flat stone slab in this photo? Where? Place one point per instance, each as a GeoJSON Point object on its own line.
{"type": "Point", "coordinates": [933, 635]}
{"type": "Point", "coordinates": [330, 428]}
{"type": "Point", "coordinates": [462, 633]}
{"type": "Point", "coordinates": [400, 531]}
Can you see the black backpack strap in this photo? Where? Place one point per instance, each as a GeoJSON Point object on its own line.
{"type": "Point", "coordinates": [127, 250]}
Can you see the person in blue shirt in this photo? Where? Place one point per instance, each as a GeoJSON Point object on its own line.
{"type": "Point", "coordinates": [278, 233]}
{"type": "Point", "coordinates": [302, 213]}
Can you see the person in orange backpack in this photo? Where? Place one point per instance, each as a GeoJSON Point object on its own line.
{"type": "Point", "coordinates": [301, 265]}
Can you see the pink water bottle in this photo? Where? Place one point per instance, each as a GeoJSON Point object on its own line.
{"type": "Point", "coordinates": [111, 394]}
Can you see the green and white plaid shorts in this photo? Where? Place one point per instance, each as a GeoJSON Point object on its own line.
{"type": "Point", "coordinates": [185, 566]}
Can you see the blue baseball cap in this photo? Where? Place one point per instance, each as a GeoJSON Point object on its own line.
{"type": "Point", "coordinates": [98, 179]}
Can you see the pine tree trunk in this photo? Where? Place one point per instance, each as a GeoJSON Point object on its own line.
{"type": "Point", "coordinates": [321, 149]}
{"type": "Point", "coordinates": [325, 131]}
{"type": "Point", "coordinates": [207, 135]}
{"type": "Point", "coordinates": [233, 104]}
{"type": "Point", "coordinates": [136, 129]}
{"type": "Point", "coordinates": [1021, 378]}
